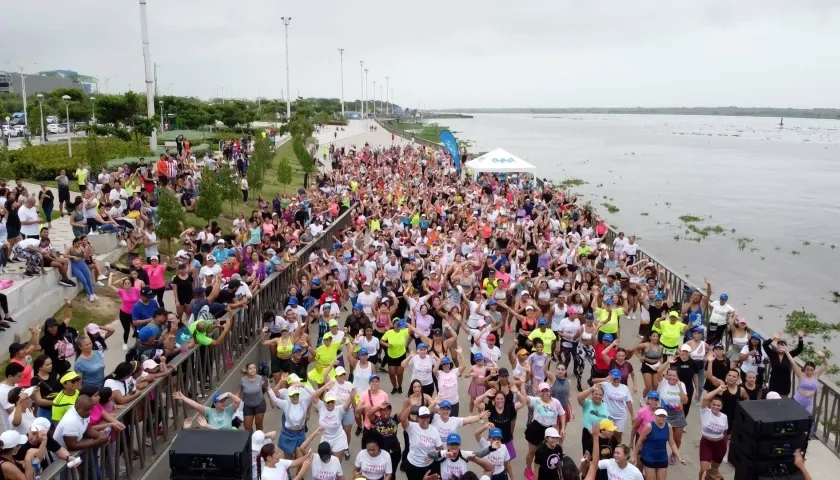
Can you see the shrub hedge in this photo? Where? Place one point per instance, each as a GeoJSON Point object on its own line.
{"type": "Point", "coordinates": [45, 162]}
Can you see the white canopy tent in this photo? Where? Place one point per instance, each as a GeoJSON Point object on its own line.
{"type": "Point", "coordinates": [498, 161]}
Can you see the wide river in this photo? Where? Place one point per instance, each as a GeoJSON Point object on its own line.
{"type": "Point", "coordinates": [778, 186]}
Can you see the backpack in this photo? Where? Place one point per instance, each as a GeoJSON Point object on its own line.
{"type": "Point", "coordinates": [64, 346]}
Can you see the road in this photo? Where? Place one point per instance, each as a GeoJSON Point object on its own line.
{"type": "Point", "coordinates": [17, 142]}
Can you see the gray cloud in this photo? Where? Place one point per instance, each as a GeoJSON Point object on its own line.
{"type": "Point", "coordinates": [464, 53]}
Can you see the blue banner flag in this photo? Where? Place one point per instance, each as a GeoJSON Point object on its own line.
{"type": "Point", "coordinates": [452, 145]}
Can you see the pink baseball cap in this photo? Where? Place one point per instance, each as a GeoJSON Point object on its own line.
{"type": "Point", "coordinates": [742, 321]}
{"type": "Point", "coordinates": [92, 329]}
{"type": "Point", "coordinates": [571, 311]}
{"type": "Point", "coordinates": [544, 386]}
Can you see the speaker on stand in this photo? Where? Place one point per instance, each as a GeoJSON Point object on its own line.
{"type": "Point", "coordinates": [765, 434]}
{"type": "Point", "coordinates": [211, 454]}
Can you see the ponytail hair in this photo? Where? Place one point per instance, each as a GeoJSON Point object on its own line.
{"type": "Point", "coordinates": [266, 451]}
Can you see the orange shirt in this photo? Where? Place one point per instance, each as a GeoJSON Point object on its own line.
{"type": "Point", "coordinates": [162, 168]}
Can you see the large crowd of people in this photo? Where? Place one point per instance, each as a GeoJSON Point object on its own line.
{"type": "Point", "coordinates": [440, 281]}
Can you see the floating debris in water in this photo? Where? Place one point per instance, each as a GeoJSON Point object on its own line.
{"type": "Point", "coordinates": [794, 252]}
{"type": "Point", "coordinates": [645, 214]}
{"type": "Point", "coordinates": [743, 242]}
{"type": "Point", "coordinates": [610, 207]}
{"type": "Point", "coordinates": [806, 243]}
{"type": "Point", "coordinates": [689, 218]}
{"type": "Point", "coordinates": [762, 286]}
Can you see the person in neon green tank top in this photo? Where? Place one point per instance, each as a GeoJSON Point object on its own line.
{"type": "Point", "coordinates": [672, 330]}
{"type": "Point", "coordinates": [608, 315]}
{"type": "Point", "coordinates": [395, 341]}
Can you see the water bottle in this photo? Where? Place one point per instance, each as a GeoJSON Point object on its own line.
{"type": "Point", "coordinates": [36, 468]}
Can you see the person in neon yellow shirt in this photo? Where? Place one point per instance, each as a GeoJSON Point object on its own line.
{"type": "Point", "coordinates": [545, 334]}
{"type": "Point", "coordinates": [608, 317]}
{"type": "Point", "coordinates": [671, 331]}
{"type": "Point", "coordinates": [395, 341]}
{"type": "Point", "coordinates": [325, 356]}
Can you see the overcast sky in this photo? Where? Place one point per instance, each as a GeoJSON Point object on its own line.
{"type": "Point", "coordinates": [448, 54]}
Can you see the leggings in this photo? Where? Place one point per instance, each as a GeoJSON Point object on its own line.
{"type": "Point", "coordinates": [48, 213]}
{"type": "Point", "coordinates": [395, 451]}
{"type": "Point", "coordinates": [4, 256]}
{"type": "Point", "coordinates": [569, 353]}
{"type": "Point", "coordinates": [4, 303]}
{"type": "Point", "coordinates": [80, 270]}
{"type": "Point", "coordinates": [159, 294]}
{"type": "Point", "coordinates": [125, 320]}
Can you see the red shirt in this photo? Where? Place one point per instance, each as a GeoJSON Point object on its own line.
{"type": "Point", "coordinates": [600, 364]}
{"type": "Point", "coordinates": [26, 379]}
{"type": "Point", "coordinates": [324, 296]}
{"type": "Point", "coordinates": [228, 272]}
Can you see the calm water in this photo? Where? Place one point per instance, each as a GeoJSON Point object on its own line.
{"type": "Point", "coordinates": [777, 186]}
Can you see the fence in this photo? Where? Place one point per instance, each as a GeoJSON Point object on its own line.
{"type": "Point", "coordinates": [827, 408]}
{"type": "Point", "coordinates": [409, 136]}
{"type": "Point", "coordinates": [197, 373]}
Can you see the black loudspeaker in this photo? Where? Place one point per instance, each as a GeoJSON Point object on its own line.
{"type": "Point", "coordinates": [766, 448]}
{"type": "Point", "coordinates": [203, 454]}
{"type": "Point", "coordinates": [752, 468]}
{"type": "Point", "coordinates": [772, 418]}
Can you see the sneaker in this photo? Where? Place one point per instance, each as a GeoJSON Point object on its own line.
{"type": "Point", "coordinates": [91, 298]}
{"type": "Point", "coordinates": [30, 273]}
{"type": "Point", "coordinates": [347, 454]}
{"type": "Point", "coordinates": [102, 277]}
{"type": "Point", "coordinates": [529, 474]}
{"type": "Point", "coordinates": [358, 431]}
{"type": "Point", "coordinates": [122, 243]}
{"type": "Point", "coordinates": [67, 283]}
{"type": "Point", "coordinates": [502, 341]}
{"type": "Point", "coordinates": [125, 347]}
{"type": "Point", "coordinates": [99, 284]}
{"type": "Point", "coordinates": [95, 297]}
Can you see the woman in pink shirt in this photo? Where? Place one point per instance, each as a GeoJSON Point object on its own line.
{"type": "Point", "coordinates": [645, 414]}
{"type": "Point", "coordinates": [129, 293]}
{"type": "Point", "coordinates": [156, 282]}
{"type": "Point", "coordinates": [369, 399]}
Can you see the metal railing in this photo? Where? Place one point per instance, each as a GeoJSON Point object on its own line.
{"type": "Point", "coordinates": [408, 136]}
{"type": "Point", "coordinates": [153, 419]}
{"type": "Point", "coordinates": [827, 407]}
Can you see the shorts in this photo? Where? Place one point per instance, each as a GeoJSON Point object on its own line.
{"type": "Point", "coordinates": [535, 433]}
{"type": "Point", "coordinates": [619, 423]}
{"type": "Point", "coordinates": [712, 451]}
{"type": "Point", "coordinates": [655, 464]}
{"type": "Point", "coordinates": [63, 194]}
{"type": "Point", "coordinates": [394, 362]}
{"type": "Point", "coordinates": [280, 364]}
{"type": "Point", "coordinates": [290, 440]}
{"type": "Point", "coordinates": [349, 417]}
{"type": "Point", "coordinates": [249, 411]}
{"type": "Point", "coordinates": [82, 187]}
{"type": "Point", "coordinates": [650, 368]}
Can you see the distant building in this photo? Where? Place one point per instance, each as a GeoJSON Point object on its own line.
{"type": "Point", "coordinates": [10, 82]}
{"type": "Point", "coordinates": [46, 82]}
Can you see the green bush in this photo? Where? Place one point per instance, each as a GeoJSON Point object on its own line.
{"type": "Point", "coordinates": [45, 162]}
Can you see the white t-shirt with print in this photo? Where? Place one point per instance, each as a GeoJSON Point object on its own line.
{"type": "Point", "coordinates": [326, 471]}
{"type": "Point", "coordinates": [422, 443]}
{"type": "Point", "coordinates": [630, 472]}
{"type": "Point", "coordinates": [373, 468]}
{"type": "Point", "coordinates": [497, 457]}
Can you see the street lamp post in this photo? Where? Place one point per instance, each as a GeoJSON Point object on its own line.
{"type": "Point", "coordinates": [161, 116]}
{"type": "Point", "coordinates": [341, 52]}
{"type": "Point", "coordinates": [387, 89]}
{"type": "Point", "coordinates": [366, 92]}
{"type": "Point", "coordinates": [41, 108]}
{"type": "Point", "coordinates": [286, 21]}
{"type": "Point", "coordinates": [147, 66]}
{"type": "Point", "coordinates": [362, 83]}
{"type": "Point", "coordinates": [66, 99]}
{"type": "Point", "coordinates": [380, 98]}
{"type": "Point", "coordinates": [93, 109]}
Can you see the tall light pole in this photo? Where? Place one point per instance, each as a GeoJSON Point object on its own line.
{"type": "Point", "coordinates": [380, 98]}
{"type": "Point", "coordinates": [162, 127]}
{"type": "Point", "coordinates": [23, 94]}
{"type": "Point", "coordinates": [66, 99]}
{"type": "Point", "coordinates": [366, 92]}
{"type": "Point", "coordinates": [341, 53]}
{"type": "Point", "coordinates": [362, 83]}
{"type": "Point", "coordinates": [392, 101]}
{"type": "Point", "coordinates": [93, 108]}
{"type": "Point", "coordinates": [286, 21]}
{"type": "Point", "coordinates": [41, 107]}
{"type": "Point", "coordinates": [150, 84]}
{"type": "Point", "coordinates": [387, 89]}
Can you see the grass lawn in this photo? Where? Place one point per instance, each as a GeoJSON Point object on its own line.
{"type": "Point", "coordinates": [426, 131]}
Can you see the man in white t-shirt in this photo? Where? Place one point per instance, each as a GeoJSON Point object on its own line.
{"type": "Point", "coordinates": [721, 312]}
{"type": "Point", "coordinates": [208, 272]}
{"type": "Point", "coordinates": [29, 219]}
{"type": "Point", "coordinates": [118, 196]}
{"type": "Point", "coordinates": [74, 431]}
{"type": "Point", "coordinates": [14, 374]}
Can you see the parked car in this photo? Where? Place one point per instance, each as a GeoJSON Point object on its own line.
{"type": "Point", "coordinates": [52, 119]}
{"type": "Point", "coordinates": [56, 128]}
{"type": "Point", "coordinates": [9, 131]}
{"type": "Point", "coordinates": [22, 130]}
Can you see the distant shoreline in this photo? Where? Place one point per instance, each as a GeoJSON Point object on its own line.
{"type": "Point", "coordinates": [819, 113]}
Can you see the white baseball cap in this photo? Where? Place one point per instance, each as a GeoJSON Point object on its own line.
{"type": "Point", "coordinates": [552, 432]}
{"type": "Point", "coordinates": [660, 411]}
{"type": "Point", "coordinates": [10, 438]}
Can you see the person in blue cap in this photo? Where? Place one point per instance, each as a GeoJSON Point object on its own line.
{"type": "Point", "coordinates": [494, 450]}
{"type": "Point", "coordinates": [219, 415]}
{"type": "Point", "coordinates": [447, 424]}
{"type": "Point", "coordinates": [618, 399]}
{"type": "Point", "coordinates": [601, 367]}
{"type": "Point", "coordinates": [454, 461]}
{"type": "Point", "coordinates": [656, 304]}
{"type": "Point", "coordinates": [721, 313]}
{"type": "Point", "coordinates": [421, 364]}
{"type": "Point", "coordinates": [645, 415]}
{"type": "Point", "coordinates": [356, 321]}
{"type": "Point", "coordinates": [447, 379]}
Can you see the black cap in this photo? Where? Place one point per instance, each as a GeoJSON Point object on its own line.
{"type": "Point", "coordinates": [146, 292]}
{"type": "Point", "coordinates": [198, 292]}
{"type": "Point", "coordinates": [234, 284]}
{"type": "Point", "coordinates": [50, 322]}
